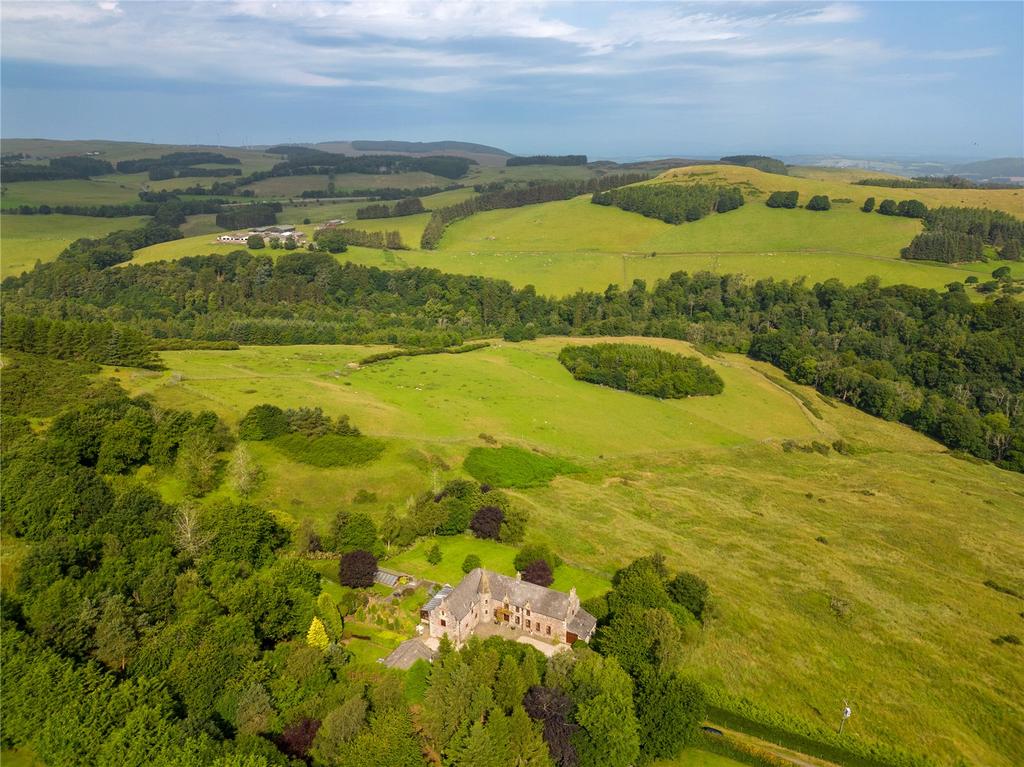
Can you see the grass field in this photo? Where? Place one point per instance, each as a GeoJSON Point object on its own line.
{"type": "Point", "coordinates": [293, 186]}
{"type": "Point", "coordinates": [695, 757]}
{"type": "Point", "coordinates": [27, 239]}
{"type": "Point", "coordinates": [102, 190]}
{"type": "Point", "coordinates": [889, 612]}
{"type": "Point", "coordinates": [561, 247]}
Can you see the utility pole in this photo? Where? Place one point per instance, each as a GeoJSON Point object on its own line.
{"type": "Point", "coordinates": [846, 715]}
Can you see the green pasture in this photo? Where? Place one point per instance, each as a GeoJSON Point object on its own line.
{"type": "Point", "coordinates": [889, 612]}
{"type": "Point", "coordinates": [102, 190]}
{"type": "Point", "coordinates": [695, 757]}
{"type": "Point", "coordinates": [27, 239]}
{"type": "Point", "coordinates": [836, 184]}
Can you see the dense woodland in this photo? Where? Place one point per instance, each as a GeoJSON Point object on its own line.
{"type": "Point", "coordinates": [55, 169]}
{"type": "Point", "coordinates": [641, 369]}
{"type": "Point", "coordinates": [936, 361]}
{"type": "Point", "coordinates": [547, 159]}
{"type": "Point", "coordinates": [767, 164]}
{"type": "Point", "coordinates": [960, 234]}
{"type": "Point", "coordinates": [303, 161]}
{"type": "Point", "coordinates": [672, 203]}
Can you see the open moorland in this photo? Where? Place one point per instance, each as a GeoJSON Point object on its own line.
{"type": "Point", "coordinates": [856, 576]}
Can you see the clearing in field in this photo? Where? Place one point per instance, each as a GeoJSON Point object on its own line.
{"type": "Point", "coordinates": [835, 576]}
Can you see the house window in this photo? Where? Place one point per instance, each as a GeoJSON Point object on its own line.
{"type": "Point", "coordinates": [527, 623]}
{"type": "Point", "coordinates": [549, 631]}
{"type": "Point", "coordinates": [445, 623]}
{"type": "Point", "coordinates": [527, 610]}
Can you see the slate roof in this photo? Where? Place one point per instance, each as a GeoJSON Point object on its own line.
{"type": "Point", "coordinates": [436, 600]}
{"type": "Point", "coordinates": [545, 601]}
{"type": "Point", "coordinates": [388, 579]}
{"type": "Point", "coordinates": [582, 624]}
{"type": "Point", "coordinates": [407, 653]}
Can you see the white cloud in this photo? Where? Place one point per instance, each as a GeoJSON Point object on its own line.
{"type": "Point", "coordinates": [443, 46]}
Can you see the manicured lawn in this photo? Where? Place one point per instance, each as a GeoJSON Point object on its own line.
{"type": "Point", "coordinates": [493, 556]}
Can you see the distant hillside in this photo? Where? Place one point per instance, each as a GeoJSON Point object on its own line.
{"type": "Point", "coordinates": [427, 147]}
{"type": "Point", "coordinates": [1000, 167]}
{"type": "Point", "coordinates": [667, 163]}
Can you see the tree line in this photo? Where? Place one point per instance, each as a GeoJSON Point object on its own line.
{"type": "Point", "coordinates": [933, 182]}
{"type": "Point", "coordinates": [672, 203]}
{"type": "Point", "coordinates": [933, 360]}
{"type": "Point", "coordinates": [337, 239]}
{"type": "Point", "coordinates": [384, 193]}
{"type": "Point", "coordinates": [547, 159]}
{"type": "Point", "coordinates": [515, 198]}
{"type": "Point", "coordinates": [249, 216]}
{"type": "Point", "coordinates": [56, 169]}
{"type": "Point", "coordinates": [407, 206]}
{"type": "Point", "coordinates": [188, 208]}
{"type": "Point", "coordinates": [176, 160]}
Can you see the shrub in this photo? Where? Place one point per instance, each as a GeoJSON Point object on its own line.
{"type": "Point", "coordinates": [641, 369]}
{"type": "Point", "coordinates": [471, 562]}
{"type": "Point", "coordinates": [911, 209]}
{"type": "Point", "coordinates": [357, 569]}
{"type": "Point", "coordinates": [782, 199]}
{"type": "Point", "coordinates": [888, 208]}
{"type": "Point", "coordinates": [487, 521]}
{"type": "Point", "coordinates": [330, 450]}
{"type": "Point", "coordinates": [869, 205]}
{"type": "Point", "coordinates": [534, 551]}
{"type": "Point", "coordinates": [514, 467]}
{"type": "Point", "coordinates": [690, 591]}
{"type": "Point", "coordinates": [434, 556]}
{"type": "Point", "coordinates": [819, 202]}
{"type": "Point", "coordinates": [263, 422]}
{"type": "Point", "coordinates": [539, 572]}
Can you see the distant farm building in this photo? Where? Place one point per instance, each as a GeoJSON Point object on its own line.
{"type": "Point", "coordinates": [334, 223]}
{"type": "Point", "coordinates": [267, 233]}
{"type": "Point", "coordinates": [484, 597]}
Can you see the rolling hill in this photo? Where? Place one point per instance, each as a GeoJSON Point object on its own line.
{"type": "Point", "coordinates": [823, 567]}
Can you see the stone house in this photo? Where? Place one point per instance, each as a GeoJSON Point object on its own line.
{"type": "Point", "coordinates": [484, 596]}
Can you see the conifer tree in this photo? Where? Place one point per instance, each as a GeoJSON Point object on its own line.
{"type": "Point", "coordinates": [317, 635]}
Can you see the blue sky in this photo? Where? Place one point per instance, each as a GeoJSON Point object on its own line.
{"type": "Point", "coordinates": [609, 79]}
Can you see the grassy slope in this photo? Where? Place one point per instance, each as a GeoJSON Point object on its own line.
{"type": "Point", "coordinates": [563, 246]}
{"type": "Point", "coordinates": [26, 239]}
{"type": "Point", "coordinates": [911, 532]}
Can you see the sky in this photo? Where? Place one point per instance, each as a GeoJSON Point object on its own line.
{"type": "Point", "coordinates": [609, 79]}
